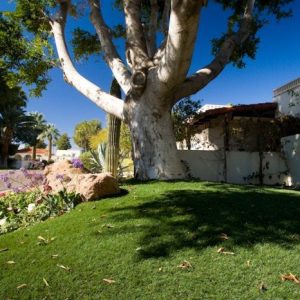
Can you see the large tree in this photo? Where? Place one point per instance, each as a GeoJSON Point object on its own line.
{"type": "Point", "coordinates": [12, 117]}
{"type": "Point", "coordinates": [155, 76]}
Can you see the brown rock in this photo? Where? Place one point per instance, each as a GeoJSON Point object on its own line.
{"type": "Point", "coordinates": [94, 186]}
{"type": "Point", "coordinates": [60, 173]}
{"type": "Point", "coordinates": [90, 186]}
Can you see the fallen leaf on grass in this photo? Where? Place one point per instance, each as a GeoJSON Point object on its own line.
{"type": "Point", "coordinates": [54, 256]}
{"type": "Point", "coordinates": [290, 277]}
{"type": "Point", "coordinates": [109, 281]}
{"type": "Point", "coordinates": [10, 262]}
{"type": "Point", "coordinates": [43, 241]}
{"type": "Point", "coordinates": [21, 286]}
{"type": "Point", "coordinates": [64, 268]}
{"type": "Point", "coordinates": [263, 288]}
{"type": "Point", "coordinates": [108, 226]}
{"type": "Point", "coordinates": [222, 250]}
{"type": "Point", "coordinates": [3, 249]}
{"type": "Point", "coordinates": [185, 265]}
{"type": "Point", "coordinates": [138, 249]}
{"type": "Point", "coordinates": [46, 282]}
{"type": "Point", "coordinates": [223, 236]}
{"type": "Point", "coordinates": [248, 263]}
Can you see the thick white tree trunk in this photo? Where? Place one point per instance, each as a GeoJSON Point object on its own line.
{"type": "Point", "coordinates": [154, 145]}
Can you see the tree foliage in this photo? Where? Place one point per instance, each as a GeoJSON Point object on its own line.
{"type": "Point", "coordinates": [98, 138]}
{"type": "Point", "coordinates": [25, 58]}
{"type": "Point", "coordinates": [182, 112]}
{"type": "Point", "coordinates": [84, 131]}
{"type": "Point", "coordinates": [63, 142]}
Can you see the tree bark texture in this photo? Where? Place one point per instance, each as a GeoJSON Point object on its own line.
{"type": "Point", "coordinates": [154, 145]}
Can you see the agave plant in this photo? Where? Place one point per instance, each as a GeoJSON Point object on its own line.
{"type": "Point", "coordinates": [98, 158]}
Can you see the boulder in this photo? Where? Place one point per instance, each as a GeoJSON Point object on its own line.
{"type": "Point", "coordinates": [94, 186]}
{"type": "Point", "coordinates": [91, 187]}
{"type": "Point", "coordinates": [60, 173]}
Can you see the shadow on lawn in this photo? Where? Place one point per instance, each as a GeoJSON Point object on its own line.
{"type": "Point", "coordinates": [195, 219]}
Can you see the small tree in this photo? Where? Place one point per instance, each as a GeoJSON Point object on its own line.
{"type": "Point", "coordinates": [35, 131]}
{"type": "Point", "coordinates": [52, 134]}
{"type": "Point", "coordinates": [182, 112]}
{"type": "Point", "coordinates": [84, 131]}
{"type": "Point", "coordinates": [63, 142]}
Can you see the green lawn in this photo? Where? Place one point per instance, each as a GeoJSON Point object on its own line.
{"type": "Point", "coordinates": [139, 240]}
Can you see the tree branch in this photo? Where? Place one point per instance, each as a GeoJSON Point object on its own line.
{"type": "Point", "coordinates": [105, 101]}
{"type": "Point", "coordinates": [202, 77]}
{"type": "Point", "coordinates": [177, 54]}
{"type": "Point", "coordinates": [136, 51]}
{"type": "Point", "coordinates": [111, 55]}
{"type": "Point", "coordinates": [165, 17]}
{"type": "Point", "coordinates": [151, 29]}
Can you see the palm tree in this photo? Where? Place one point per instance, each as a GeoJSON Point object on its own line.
{"type": "Point", "coordinates": [52, 134]}
{"type": "Point", "coordinates": [12, 115]}
{"type": "Point", "coordinates": [12, 121]}
{"type": "Point", "coordinates": [37, 130]}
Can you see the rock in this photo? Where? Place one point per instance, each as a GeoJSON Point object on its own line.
{"type": "Point", "coordinates": [62, 174]}
{"type": "Point", "coordinates": [94, 186]}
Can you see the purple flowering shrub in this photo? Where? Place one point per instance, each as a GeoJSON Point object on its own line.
{"type": "Point", "coordinates": [22, 181]}
{"type": "Point", "coordinates": [77, 163]}
{"type": "Point", "coordinates": [31, 200]}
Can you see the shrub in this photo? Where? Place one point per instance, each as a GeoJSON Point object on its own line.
{"type": "Point", "coordinates": [86, 159]}
{"type": "Point", "coordinates": [32, 201]}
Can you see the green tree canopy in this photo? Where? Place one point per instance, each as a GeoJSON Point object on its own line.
{"type": "Point", "coordinates": [84, 131]}
{"type": "Point", "coordinates": [52, 134]}
{"type": "Point", "coordinates": [63, 142]}
{"type": "Point", "coordinates": [181, 113]}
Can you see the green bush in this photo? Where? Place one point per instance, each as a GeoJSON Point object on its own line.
{"type": "Point", "coordinates": [19, 210]}
{"type": "Point", "coordinates": [86, 158]}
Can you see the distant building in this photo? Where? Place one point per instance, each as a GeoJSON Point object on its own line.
{"type": "Point", "coordinates": [23, 157]}
{"type": "Point", "coordinates": [66, 154]}
{"type": "Point", "coordinates": [288, 98]}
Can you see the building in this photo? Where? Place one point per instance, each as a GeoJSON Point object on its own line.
{"type": "Point", "coordinates": [66, 154]}
{"type": "Point", "coordinates": [255, 143]}
{"type": "Point", "coordinates": [23, 157]}
{"type": "Point", "coordinates": [236, 128]}
{"type": "Point", "coordinates": [288, 98]}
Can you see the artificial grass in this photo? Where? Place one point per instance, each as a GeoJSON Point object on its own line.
{"type": "Point", "coordinates": [139, 240]}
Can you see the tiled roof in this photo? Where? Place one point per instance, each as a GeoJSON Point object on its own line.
{"type": "Point", "coordinates": [39, 151]}
{"type": "Point", "coordinates": [259, 109]}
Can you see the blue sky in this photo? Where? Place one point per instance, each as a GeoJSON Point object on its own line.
{"type": "Point", "coordinates": [277, 62]}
